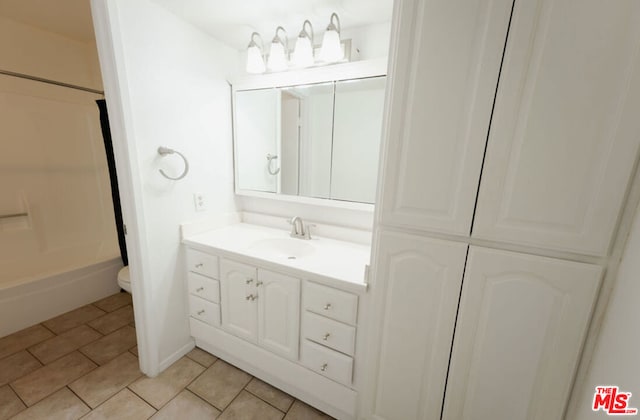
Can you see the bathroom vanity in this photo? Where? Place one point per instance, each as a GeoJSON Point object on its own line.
{"type": "Point", "coordinates": [286, 310]}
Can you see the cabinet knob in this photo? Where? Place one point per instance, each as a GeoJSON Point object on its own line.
{"type": "Point", "coordinates": [259, 283]}
{"type": "Point", "coordinates": [199, 289]}
{"type": "Point", "coordinates": [324, 367]}
{"type": "Point", "coordinates": [199, 265]}
{"type": "Point", "coordinates": [249, 281]}
{"type": "Point", "coordinates": [200, 312]}
{"type": "Point", "coordinates": [251, 297]}
{"type": "Point", "coordinates": [326, 336]}
{"type": "Point", "coordinates": [327, 306]}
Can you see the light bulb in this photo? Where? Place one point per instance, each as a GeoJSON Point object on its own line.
{"type": "Point", "coordinates": [331, 50]}
{"type": "Point", "coordinates": [303, 53]}
{"type": "Point", "coordinates": [255, 62]}
{"type": "Point", "coordinates": [277, 58]}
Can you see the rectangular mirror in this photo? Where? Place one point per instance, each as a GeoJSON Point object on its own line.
{"type": "Point", "coordinates": [317, 140]}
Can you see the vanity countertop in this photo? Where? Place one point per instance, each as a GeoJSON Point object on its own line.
{"type": "Point", "coordinates": [321, 259]}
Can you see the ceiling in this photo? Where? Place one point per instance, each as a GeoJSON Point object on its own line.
{"type": "Point", "coordinates": [233, 21]}
{"type": "Point", "coordinates": [70, 18]}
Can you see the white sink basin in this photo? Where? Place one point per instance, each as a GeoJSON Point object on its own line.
{"type": "Point", "coordinates": [282, 248]}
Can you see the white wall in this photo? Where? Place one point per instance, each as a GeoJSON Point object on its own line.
{"type": "Point", "coordinates": [36, 52]}
{"type": "Point", "coordinates": [616, 358]}
{"type": "Point", "coordinates": [165, 86]}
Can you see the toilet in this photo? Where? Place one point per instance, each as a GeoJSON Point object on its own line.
{"type": "Point", "coordinates": [124, 280]}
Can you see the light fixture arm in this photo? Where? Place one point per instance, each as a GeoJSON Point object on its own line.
{"type": "Point", "coordinates": [253, 42]}
{"type": "Point", "coordinates": [332, 26]}
{"type": "Point", "coordinates": [277, 38]}
{"type": "Point", "coordinates": [304, 33]}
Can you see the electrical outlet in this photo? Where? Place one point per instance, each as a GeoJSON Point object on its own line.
{"type": "Point", "coordinates": [199, 201]}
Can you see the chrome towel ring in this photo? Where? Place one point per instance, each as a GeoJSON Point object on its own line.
{"type": "Point", "coordinates": [271, 158]}
{"type": "Point", "coordinates": [164, 151]}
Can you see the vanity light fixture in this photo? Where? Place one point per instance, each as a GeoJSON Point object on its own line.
{"type": "Point", "coordinates": [255, 59]}
{"type": "Point", "coordinates": [331, 50]}
{"type": "Point", "coordinates": [279, 48]}
{"type": "Point", "coordinates": [303, 53]}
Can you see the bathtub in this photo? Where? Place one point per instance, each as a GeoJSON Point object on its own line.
{"type": "Point", "coordinates": [29, 301]}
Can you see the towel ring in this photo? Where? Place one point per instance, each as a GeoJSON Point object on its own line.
{"type": "Point", "coordinates": [164, 151]}
{"type": "Point", "coordinates": [271, 158]}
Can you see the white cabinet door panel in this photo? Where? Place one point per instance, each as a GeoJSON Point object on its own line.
{"type": "Point", "coordinates": [239, 314]}
{"type": "Point", "coordinates": [416, 288]}
{"type": "Point", "coordinates": [447, 58]}
{"type": "Point", "coordinates": [564, 133]}
{"type": "Point", "coordinates": [279, 313]}
{"type": "Point", "coordinates": [521, 326]}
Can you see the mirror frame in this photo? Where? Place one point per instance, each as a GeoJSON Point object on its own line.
{"type": "Point", "coordinates": [334, 73]}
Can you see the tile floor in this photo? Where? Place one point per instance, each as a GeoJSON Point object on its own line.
{"type": "Point", "coordinates": [84, 364]}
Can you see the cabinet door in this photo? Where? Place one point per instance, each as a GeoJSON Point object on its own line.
{"type": "Point", "coordinates": [279, 313]}
{"type": "Point", "coordinates": [239, 309]}
{"type": "Point", "coordinates": [564, 134]}
{"type": "Point", "coordinates": [521, 325]}
{"type": "Point", "coordinates": [442, 85]}
{"type": "Point", "coordinates": [416, 290]}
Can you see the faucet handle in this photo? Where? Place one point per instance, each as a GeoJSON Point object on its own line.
{"type": "Point", "coordinates": [307, 232]}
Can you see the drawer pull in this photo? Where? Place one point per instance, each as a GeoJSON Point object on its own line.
{"type": "Point", "coordinates": [326, 336]}
{"type": "Point", "coordinates": [324, 367]}
{"type": "Point", "coordinates": [200, 312]}
{"type": "Point", "coordinates": [249, 281]}
{"type": "Point", "coordinates": [199, 289]}
{"type": "Point", "coordinates": [327, 306]}
{"type": "Point", "coordinates": [252, 297]}
{"type": "Point", "coordinates": [259, 283]}
{"type": "Point", "coordinates": [199, 265]}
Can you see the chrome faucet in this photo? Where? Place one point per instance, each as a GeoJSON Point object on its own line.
{"type": "Point", "coordinates": [298, 230]}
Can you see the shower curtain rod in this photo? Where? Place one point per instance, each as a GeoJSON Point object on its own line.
{"type": "Point", "coordinates": [51, 82]}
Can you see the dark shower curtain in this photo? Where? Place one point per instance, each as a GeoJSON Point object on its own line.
{"type": "Point", "coordinates": [115, 193]}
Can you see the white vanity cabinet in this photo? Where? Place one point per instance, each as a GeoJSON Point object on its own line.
{"type": "Point", "coordinates": [203, 287]}
{"type": "Point", "coordinates": [239, 306]}
{"type": "Point", "coordinates": [261, 306]}
{"type": "Point", "coordinates": [296, 329]}
{"type": "Point", "coordinates": [329, 329]}
{"type": "Point", "coordinates": [278, 313]}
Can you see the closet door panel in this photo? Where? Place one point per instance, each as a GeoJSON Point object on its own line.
{"type": "Point", "coordinates": [417, 288]}
{"type": "Point", "coordinates": [520, 328]}
{"type": "Point", "coordinates": [564, 134]}
{"type": "Point", "coordinates": [442, 85]}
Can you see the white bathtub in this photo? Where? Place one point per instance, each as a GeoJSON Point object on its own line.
{"type": "Point", "coordinates": [31, 301]}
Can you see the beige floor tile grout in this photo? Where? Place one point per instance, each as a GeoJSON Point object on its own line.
{"type": "Point", "coordinates": [262, 399]}
{"type": "Point", "coordinates": [79, 397]}
{"type": "Point", "coordinates": [18, 395]}
{"type": "Point", "coordinates": [128, 386]}
{"type": "Point", "coordinates": [48, 329]}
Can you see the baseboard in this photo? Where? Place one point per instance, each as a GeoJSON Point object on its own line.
{"type": "Point", "coordinates": [24, 305]}
{"type": "Point", "coordinates": [175, 356]}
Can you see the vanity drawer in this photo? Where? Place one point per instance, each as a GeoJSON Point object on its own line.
{"type": "Point", "coordinates": [204, 287]}
{"type": "Point", "coordinates": [327, 362]}
{"type": "Point", "coordinates": [204, 310]}
{"type": "Point", "coordinates": [332, 303]}
{"type": "Point", "coordinates": [329, 333]}
{"type": "Point", "coordinates": [202, 263]}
